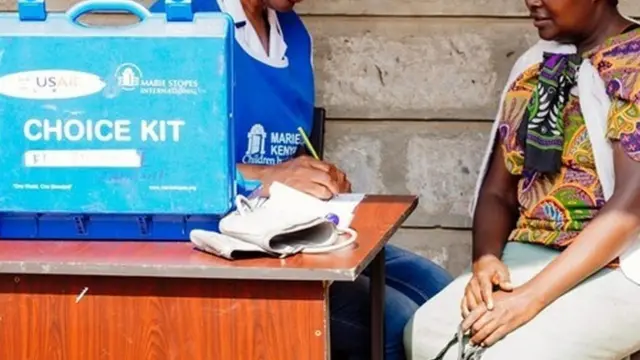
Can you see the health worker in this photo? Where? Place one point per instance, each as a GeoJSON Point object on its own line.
{"type": "Point", "coordinates": [274, 95]}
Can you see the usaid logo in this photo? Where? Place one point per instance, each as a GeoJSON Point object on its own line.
{"type": "Point", "coordinates": [50, 84]}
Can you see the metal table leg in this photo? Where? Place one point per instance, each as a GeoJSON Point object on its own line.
{"type": "Point", "coordinates": [376, 294]}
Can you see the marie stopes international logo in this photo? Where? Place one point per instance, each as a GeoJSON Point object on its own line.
{"type": "Point", "coordinates": [131, 78]}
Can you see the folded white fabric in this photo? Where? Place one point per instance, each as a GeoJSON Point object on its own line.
{"type": "Point", "coordinates": [221, 245]}
{"type": "Point", "coordinates": [289, 222]}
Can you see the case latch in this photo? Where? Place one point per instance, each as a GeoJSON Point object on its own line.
{"type": "Point", "coordinates": [144, 223]}
{"type": "Point", "coordinates": [185, 225]}
{"type": "Point", "coordinates": [81, 224]}
{"type": "Point", "coordinates": [178, 10]}
{"type": "Point", "coordinates": [32, 10]}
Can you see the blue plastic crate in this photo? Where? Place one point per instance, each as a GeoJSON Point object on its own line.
{"type": "Point", "coordinates": [116, 132]}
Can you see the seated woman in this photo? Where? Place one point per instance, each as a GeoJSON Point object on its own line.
{"type": "Point", "coordinates": [274, 96]}
{"type": "Point", "coordinates": [558, 211]}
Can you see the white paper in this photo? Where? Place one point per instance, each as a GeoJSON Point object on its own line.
{"type": "Point", "coordinates": [285, 198]}
{"type": "Point", "coordinates": [344, 205]}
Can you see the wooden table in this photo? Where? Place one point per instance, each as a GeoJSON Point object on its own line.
{"type": "Point", "coordinates": [70, 300]}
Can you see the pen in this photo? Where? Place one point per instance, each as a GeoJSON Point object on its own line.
{"type": "Point", "coordinates": [307, 142]}
{"type": "Point", "coordinates": [330, 216]}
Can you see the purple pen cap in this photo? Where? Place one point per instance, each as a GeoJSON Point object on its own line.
{"type": "Point", "coordinates": [333, 218]}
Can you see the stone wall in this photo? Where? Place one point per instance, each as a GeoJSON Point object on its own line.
{"type": "Point", "coordinates": [410, 87]}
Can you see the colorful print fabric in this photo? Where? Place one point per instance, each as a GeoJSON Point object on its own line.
{"type": "Point", "coordinates": [555, 208]}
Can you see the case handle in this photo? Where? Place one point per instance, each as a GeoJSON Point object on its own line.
{"type": "Point", "coordinates": [87, 6]}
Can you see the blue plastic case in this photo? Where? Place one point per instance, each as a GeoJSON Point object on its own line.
{"type": "Point", "coordinates": [115, 132]}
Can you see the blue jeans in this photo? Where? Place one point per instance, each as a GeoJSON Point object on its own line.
{"type": "Point", "coordinates": [411, 280]}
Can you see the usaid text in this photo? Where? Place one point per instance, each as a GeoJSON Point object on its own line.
{"type": "Point", "coordinates": [102, 130]}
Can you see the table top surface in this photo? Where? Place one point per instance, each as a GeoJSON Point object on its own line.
{"type": "Point", "coordinates": [376, 218]}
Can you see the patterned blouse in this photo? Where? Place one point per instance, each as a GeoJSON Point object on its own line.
{"type": "Point", "coordinates": [553, 210]}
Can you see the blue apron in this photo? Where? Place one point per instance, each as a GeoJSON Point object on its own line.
{"type": "Point", "coordinates": [270, 103]}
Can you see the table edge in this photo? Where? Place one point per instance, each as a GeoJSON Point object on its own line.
{"type": "Point", "coordinates": [385, 238]}
{"type": "Point", "coordinates": [67, 268]}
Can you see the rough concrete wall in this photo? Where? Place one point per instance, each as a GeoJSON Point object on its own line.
{"type": "Point", "coordinates": [410, 87]}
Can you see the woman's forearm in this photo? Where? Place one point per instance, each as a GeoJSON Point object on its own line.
{"type": "Point", "coordinates": [604, 239]}
{"type": "Point", "coordinates": [494, 219]}
{"type": "Point", "coordinates": [497, 209]}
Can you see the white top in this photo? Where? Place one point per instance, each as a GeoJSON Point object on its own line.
{"type": "Point", "coordinates": [248, 38]}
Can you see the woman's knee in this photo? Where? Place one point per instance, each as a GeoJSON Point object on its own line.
{"type": "Point", "coordinates": [398, 311]}
{"type": "Point", "coordinates": [415, 276]}
{"type": "Point", "coordinates": [350, 319]}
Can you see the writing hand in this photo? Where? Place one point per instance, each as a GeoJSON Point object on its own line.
{"type": "Point", "coordinates": [304, 173]}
